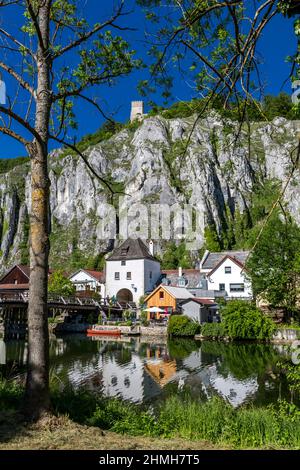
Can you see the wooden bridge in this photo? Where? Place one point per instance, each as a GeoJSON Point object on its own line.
{"type": "Point", "coordinates": [13, 310]}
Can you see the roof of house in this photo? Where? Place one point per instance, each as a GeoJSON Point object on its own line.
{"type": "Point", "coordinates": [200, 301]}
{"type": "Point", "coordinates": [214, 258]}
{"type": "Point", "coordinates": [132, 248]}
{"type": "Point", "coordinates": [184, 271]}
{"type": "Point", "coordinates": [235, 260]}
{"type": "Point", "coordinates": [193, 277]}
{"type": "Point", "coordinates": [178, 293]}
{"type": "Point", "coordinates": [98, 275]}
{"type": "Point", "coordinates": [14, 286]}
{"type": "Point", "coordinates": [23, 268]}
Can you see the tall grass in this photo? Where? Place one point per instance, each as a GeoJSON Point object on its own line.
{"type": "Point", "coordinates": [181, 416]}
{"type": "Point", "coordinates": [275, 426]}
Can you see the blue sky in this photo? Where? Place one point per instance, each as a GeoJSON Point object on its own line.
{"type": "Point", "coordinates": [278, 42]}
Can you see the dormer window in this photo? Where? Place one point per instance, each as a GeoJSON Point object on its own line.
{"type": "Point", "coordinates": [124, 251]}
{"type": "Point", "coordinates": [182, 282]}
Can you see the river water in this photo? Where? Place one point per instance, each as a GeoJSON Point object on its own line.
{"type": "Point", "coordinates": [142, 370]}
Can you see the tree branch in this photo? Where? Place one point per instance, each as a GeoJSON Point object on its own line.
{"type": "Point", "coordinates": [17, 42]}
{"type": "Point", "coordinates": [9, 112]}
{"type": "Point", "coordinates": [14, 135]}
{"type": "Point", "coordinates": [36, 25]}
{"type": "Point", "coordinates": [85, 36]}
{"type": "Point", "coordinates": [19, 79]}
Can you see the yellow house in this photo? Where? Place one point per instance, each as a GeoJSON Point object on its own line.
{"type": "Point", "coordinates": [167, 299]}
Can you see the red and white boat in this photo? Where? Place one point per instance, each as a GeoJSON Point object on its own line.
{"type": "Point", "coordinates": [103, 330]}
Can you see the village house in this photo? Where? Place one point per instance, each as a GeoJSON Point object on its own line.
{"type": "Point", "coordinates": [87, 281]}
{"type": "Point", "coordinates": [167, 299]}
{"type": "Point", "coordinates": [200, 310]}
{"type": "Point", "coordinates": [131, 271]}
{"type": "Point", "coordinates": [16, 281]}
{"type": "Point", "coordinates": [226, 272]}
{"type": "Point", "coordinates": [193, 280]}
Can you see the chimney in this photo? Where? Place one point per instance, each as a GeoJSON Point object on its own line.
{"type": "Point", "coordinates": [206, 253]}
{"type": "Point", "coordinates": [180, 271]}
{"type": "Point", "coordinates": [151, 247]}
{"type": "Point", "coordinates": [137, 110]}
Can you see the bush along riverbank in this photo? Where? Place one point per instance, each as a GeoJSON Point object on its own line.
{"type": "Point", "coordinates": [214, 421]}
{"type": "Point", "coordinates": [240, 321]}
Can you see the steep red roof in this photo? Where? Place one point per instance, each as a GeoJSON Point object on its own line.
{"type": "Point", "coordinates": [96, 274]}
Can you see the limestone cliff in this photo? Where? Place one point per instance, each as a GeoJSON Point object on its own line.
{"type": "Point", "coordinates": [213, 168]}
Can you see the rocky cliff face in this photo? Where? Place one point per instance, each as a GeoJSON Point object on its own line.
{"type": "Point", "coordinates": [214, 168]}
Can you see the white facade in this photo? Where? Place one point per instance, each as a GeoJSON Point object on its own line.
{"type": "Point", "coordinates": [136, 275]}
{"type": "Point", "coordinates": [83, 281]}
{"type": "Point", "coordinates": [231, 277]}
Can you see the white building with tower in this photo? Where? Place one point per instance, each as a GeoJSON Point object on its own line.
{"type": "Point", "coordinates": [131, 271]}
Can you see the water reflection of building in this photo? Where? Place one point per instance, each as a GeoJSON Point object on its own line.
{"type": "Point", "coordinates": [159, 366]}
{"type": "Point", "coordinates": [125, 381]}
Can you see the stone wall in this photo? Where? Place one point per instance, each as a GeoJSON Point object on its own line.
{"type": "Point", "coordinates": [286, 335]}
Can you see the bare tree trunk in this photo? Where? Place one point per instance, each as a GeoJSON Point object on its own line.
{"type": "Point", "coordinates": [37, 400]}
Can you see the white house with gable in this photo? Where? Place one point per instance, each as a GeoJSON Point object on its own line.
{"type": "Point", "coordinates": [89, 281]}
{"type": "Point", "coordinates": [131, 271]}
{"type": "Point", "coordinates": [225, 271]}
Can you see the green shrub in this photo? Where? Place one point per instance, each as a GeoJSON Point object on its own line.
{"type": "Point", "coordinates": [213, 330]}
{"type": "Point", "coordinates": [242, 320]}
{"type": "Point", "coordinates": [180, 325]}
{"type": "Point", "coordinates": [143, 319]}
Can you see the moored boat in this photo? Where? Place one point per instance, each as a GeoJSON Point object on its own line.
{"type": "Point", "coordinates": [100, 330]}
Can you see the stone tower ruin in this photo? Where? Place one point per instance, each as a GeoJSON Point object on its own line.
{"type": "Point", "coordinates": [137, 110]}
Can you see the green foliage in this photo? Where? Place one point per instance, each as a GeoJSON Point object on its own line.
{"type": "Point", "coordinates": [143, 318]}
{"type": "Point", "coordinates": [273, 265]}
{"type": "Point", "coordinates": [269, 108]}
{"type": "Point", "coordinates": [176, 255]}
{"type": "Point", "coordinates": [242, 359]}
{"type": "Point", "coordinates": [24, 245]}
{"type": "Point", "coordinates": [213, 330]}
{"type": "Point", "coordinates": [242, 320]}
{"type": "Point", "coordinates": [180, 348]}
{"type": "Point", "coordinates": [292, 370]}
{"type": "Point", "coordinates": [180, 325]}
{"type": "Point", "coordinates": [7, 164]}
{"type": "Point", "coordinates": [60, 284]}
{"type": "Point", "coordinates": [239, 230]}
{"type": "Point", "coordinates": [212, 241]}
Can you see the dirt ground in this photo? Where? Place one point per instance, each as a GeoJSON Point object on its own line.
{"type": "Point", "coordinates": [62, 433]}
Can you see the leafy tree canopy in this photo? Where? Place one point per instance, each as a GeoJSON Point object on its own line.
{"type": "Point", "coordinates": [60, 284]}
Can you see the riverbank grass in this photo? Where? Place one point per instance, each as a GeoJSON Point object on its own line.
{"type": "Point", "coordinates": [179, 417]}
